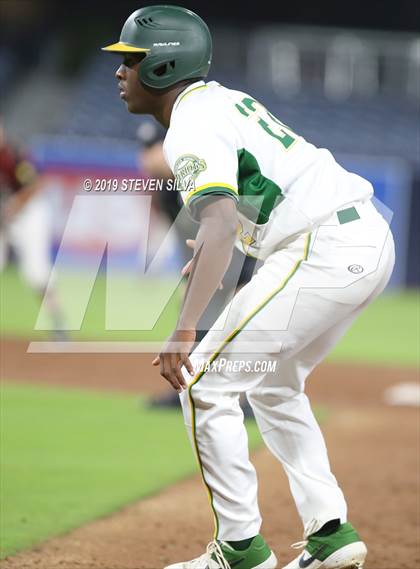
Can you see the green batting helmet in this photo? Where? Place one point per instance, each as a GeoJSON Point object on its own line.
{"type": "Point", "coordinates": [176, 43]}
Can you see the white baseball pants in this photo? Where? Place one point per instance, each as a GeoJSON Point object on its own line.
{"type": "Point", "coordinates": [30, 235]}
{"type": "Point", "coordinates": [292, 312]}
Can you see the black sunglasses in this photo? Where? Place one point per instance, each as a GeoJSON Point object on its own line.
{"type": "Point", "coordinates": [131, 59]}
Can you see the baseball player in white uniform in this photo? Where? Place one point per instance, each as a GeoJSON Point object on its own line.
{"type": "Point", "coordinates": [254, 183]}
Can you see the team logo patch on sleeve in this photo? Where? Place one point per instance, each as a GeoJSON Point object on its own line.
{"type": "Point", "coordinates": [186, 170]}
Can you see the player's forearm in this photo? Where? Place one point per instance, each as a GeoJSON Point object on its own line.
{"type": "Point", "coordinates": [213, 252]}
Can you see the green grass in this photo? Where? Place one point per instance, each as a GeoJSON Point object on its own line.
{"type": "Point", "coordinates": [133, 300]}
{"type": "Point", "coordinates": [387, 332]}
{"type": "Point", "coordinates": [70, 456]}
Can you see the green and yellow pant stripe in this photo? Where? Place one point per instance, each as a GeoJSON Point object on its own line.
{"type": "Point", "coordinates": [242, 324]}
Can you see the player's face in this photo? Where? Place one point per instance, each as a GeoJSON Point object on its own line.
{"type": "Point", "coordinates": [137, 98]}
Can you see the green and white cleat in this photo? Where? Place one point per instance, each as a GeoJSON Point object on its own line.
{"type": "Point", "coordinates": [342, 549]}
{"type": "Point", "coordinates": [220, 555]}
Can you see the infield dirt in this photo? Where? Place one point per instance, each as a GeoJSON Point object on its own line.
{"type": "Point", "coordinates": [373, 449]}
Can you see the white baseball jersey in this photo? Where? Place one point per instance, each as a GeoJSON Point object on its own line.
{"type": "Point", "coordinates": [222, 141]}
{"type": "Point", "coordinates": [327, 253]}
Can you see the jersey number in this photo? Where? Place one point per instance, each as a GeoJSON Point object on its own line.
{"type": "Point", "coordinates": [278, 130]}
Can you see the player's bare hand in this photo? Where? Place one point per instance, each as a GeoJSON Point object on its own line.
{"type": "Point", "coordinates": [174, 356]}
{"type": "Point", "coordinates": [187, 267]}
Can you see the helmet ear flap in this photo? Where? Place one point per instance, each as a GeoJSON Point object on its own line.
{"type": "Point", "coordinates": [153, 72]}
{"type": "Point", "coordinates": [164, 69]}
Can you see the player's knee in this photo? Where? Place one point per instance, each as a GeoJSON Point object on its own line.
{"type": "Point", "coordinates": [275, 396]}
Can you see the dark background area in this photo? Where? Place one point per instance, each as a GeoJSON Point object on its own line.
{"type": "Point", "coordinates": [24, 24]}
{"type": "Point", "coordinates": [373, 14]}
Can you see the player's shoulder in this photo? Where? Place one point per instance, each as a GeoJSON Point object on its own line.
{"type": "Point", "coordinates": [201, 108]}
{"type": "Point", "coordinates": [203, 103]}
{"type": "Point", "coordinates": [11, 152]}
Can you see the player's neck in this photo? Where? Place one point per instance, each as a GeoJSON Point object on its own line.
{"type": "Point", "coordinates": [163, 113]}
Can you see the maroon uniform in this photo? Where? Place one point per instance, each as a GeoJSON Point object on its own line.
{"type": "Point", "coordinates": [16, 171]}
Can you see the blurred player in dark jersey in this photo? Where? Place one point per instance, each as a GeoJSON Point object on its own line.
{"type": "Point", "coordinates": [25, 224]}
{"type": "Point", "coordinates": [152, 162]}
